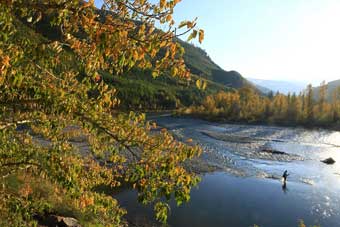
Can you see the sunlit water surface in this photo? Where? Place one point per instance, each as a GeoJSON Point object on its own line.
{"type": "Point", "coordinates": [248, 191]}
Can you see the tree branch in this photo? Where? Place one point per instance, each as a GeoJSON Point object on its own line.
{"type": "Point", "coordinates": [105, 130]}
{"type": "Point", "coordinates": [9, 124]}
{"type": "Point", "coordinates": [19, 163]}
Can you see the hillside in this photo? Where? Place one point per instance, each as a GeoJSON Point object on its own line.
{"type": "Point", "coordinates": [331, 88]}
{"type": "Point", "coordinates": [201, 64]}
{"type": "Point", "coordinates": [284, 87]}
{"type": "Point", "coordinates": [138, 90]}
{"type": "Point", "coordinates": [264, 90]}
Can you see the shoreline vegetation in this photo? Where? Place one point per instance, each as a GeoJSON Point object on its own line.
{"type": "Point", "coordinates": [246, 106]}
{"type": "Point", "coordinates": [62, 64]}
{"type": "Point", "coordinates": [222, 120]}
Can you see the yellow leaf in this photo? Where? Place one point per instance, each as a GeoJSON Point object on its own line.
{"type": "Point", "coordinates": [204, 86]}
{"type": "Point", "coordinates": [154, 74]}
{"type": "Point", "coordinates": [162, 3]}
{"type": "Point", "coordinates": [198, 84]}
{"type": "Point", "coordinates": [88, 4]}
{"type": "Point", "coordinates": [200, 35]}
{"type": "Point", "coordinates": [192, 35]}
{"type": "Point", "coordinates": [153, 53]}
{"type": "Point", "coordinates": [174, 71]}
{"type": "Point", "coordinates": [182, 24]}
{"type": "Point", "coordinates": [135, 55]}
{"type": "Point", "coordinates": [168, 17]}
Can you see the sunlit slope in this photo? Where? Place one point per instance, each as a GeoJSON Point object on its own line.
{"type": "Point", "coordinates": [138, 90]}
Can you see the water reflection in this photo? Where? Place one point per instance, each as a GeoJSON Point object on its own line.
{"type": "Point", "coordinates": [284, 187]}
{"type": "Point", "coordinates": [255, 200]}
{"type": "Point", "coordinates": [224, 200]}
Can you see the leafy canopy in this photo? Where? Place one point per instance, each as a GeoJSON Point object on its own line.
{"type": "Point", "coordinates": [51, 93]}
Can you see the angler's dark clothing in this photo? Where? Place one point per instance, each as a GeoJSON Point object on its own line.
{"type": "Point", "coordinates": [285, 175]}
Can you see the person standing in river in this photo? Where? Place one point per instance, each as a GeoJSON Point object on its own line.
{"type": "Point", "coordinates": [284, 177]}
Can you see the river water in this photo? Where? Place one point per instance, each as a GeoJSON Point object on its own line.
{"type": "Point", "coordinates": [247, 188]}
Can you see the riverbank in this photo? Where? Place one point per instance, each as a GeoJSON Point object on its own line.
{"type": "Point", "coordinates": [222, 120]}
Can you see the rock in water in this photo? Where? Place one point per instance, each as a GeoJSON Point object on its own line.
{"type": "Point", "coordinates": [328, 161]}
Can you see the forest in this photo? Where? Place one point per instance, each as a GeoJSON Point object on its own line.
{"type": "Point", "coordinates": [73, 79]}
{"type": "Point", "coordinates": [247, 105]}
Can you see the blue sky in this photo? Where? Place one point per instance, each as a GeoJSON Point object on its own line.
{"type": "Point", "coordinates": [270, 39]}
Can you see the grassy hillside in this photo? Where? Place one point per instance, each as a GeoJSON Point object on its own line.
{"type": "Point", "coordinates": [201, 64]}
{"type": "Point", "coordinates": [164, 92]}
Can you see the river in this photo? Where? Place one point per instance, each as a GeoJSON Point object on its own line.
{"type": "Point", "coordinates": [246, 189]}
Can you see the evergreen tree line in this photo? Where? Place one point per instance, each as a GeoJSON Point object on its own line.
{"type": "Point", "coordinates": [246, 105]}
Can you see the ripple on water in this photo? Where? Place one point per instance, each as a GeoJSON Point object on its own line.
{"type": "Point", "coordinates": [312, 191]}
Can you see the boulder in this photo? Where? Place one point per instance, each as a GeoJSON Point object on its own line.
{"type": "Point", "coordinates": [328, 161]}
{"type": "Point", "coordinates": [59, 221]}
{"type": "Point", "coordinates": [69, 222]}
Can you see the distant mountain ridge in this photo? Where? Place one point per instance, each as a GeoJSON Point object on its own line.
{"type": "Point", "coordinates": [284, 87]}
{"type": "Point", "coordinates": [331, 88]}
{"type": "Point", "coordinates": [200, 64]}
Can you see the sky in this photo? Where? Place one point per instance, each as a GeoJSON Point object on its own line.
{"type": "Point", "coordinates": [295, 40]}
